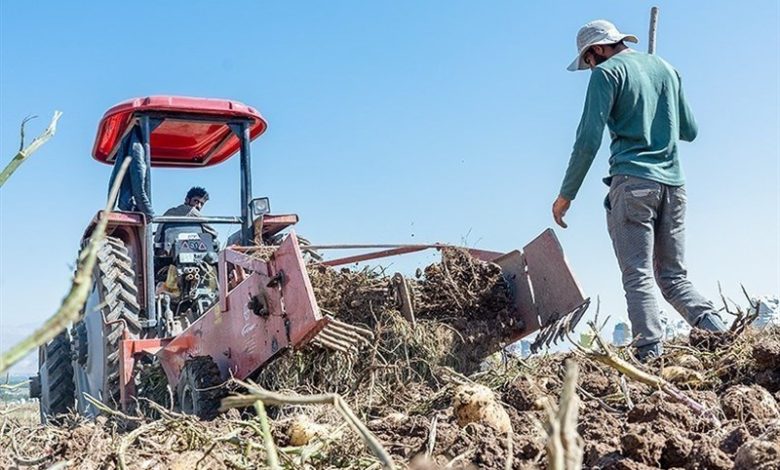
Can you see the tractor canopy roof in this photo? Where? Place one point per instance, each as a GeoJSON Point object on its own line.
{"type": "Point", "coordinates": [194, 132]}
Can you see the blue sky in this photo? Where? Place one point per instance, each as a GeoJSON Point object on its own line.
{"type": "Point", "coordinates": [398, 121]}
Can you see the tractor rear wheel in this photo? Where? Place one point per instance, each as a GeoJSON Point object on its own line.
{"type": "Point", "coordinates": [56, 390]}
{"type": "Point", "coordinates": [200, 388]}
{"type": "Point", "coordinates": [112, 309]}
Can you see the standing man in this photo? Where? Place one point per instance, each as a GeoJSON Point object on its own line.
{"type": "Point", "coordinates": [640, 98]}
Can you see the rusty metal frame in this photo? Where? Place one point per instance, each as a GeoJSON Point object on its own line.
{"type": "Point", "coordinates": [393, 250]}
{"type": "Point", "coordinates": [128, 350]}
{"type": "Point", "coordinates": [546, 294]}
{"type": "Point", "coordinates": [273, 308]}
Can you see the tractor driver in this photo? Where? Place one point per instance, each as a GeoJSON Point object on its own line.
{"type": "Point", "coordinates": [194, 201]}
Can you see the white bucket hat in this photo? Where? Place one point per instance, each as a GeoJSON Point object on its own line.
{"type": "Point", "coordinates": [595, 33]}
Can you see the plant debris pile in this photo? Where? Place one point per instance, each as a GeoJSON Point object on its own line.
{"type": "Point", "coordinates": [432, 402]}
{"type": "Point", "coordinates": [172, 441]}
{"type": "Point", "coordinates": [463, 288]}
{"type": "Point", "coordinates": [461, 306]}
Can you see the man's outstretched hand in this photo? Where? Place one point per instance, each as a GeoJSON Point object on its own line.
{"type": "Point", "coordinates": [560, 206]}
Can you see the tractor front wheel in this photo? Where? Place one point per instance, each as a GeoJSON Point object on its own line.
{"type": "Point", "coordinates": [57, 393]}
{"type": "Point", "coordinates": [200, 388]}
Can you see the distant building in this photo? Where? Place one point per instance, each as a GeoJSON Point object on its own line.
{"type": "Point", "coordinates": [586, 339]}
{"type": "Point", "coordinates": [673, 327]}
{"type": "Point", "coordinates": [768, 312]}
{"type": "Point", "coordinates": [520, 348]}
{"type": "Point", "coordinates": [621, 335]}
{"type": "Point", "coordinates": [525, 348]}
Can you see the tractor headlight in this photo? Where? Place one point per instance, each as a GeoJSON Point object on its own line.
{"type": "Point", "coordinates": [260, 206]}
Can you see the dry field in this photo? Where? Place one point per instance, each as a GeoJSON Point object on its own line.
{"type": "Point", "coordinates": [428, 399]}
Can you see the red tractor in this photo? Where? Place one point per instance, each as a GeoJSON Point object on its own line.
{"type": "Point", "coordinates": [206, 314]}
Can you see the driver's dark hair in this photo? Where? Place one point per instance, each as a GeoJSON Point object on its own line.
{"type": "Point", "coordinates": [197, 191]}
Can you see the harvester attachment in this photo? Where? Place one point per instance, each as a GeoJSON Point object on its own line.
{"type": "Point", "coordinates": [545, 294]}
{"type": "Point", "coordinates": [340, 336]}
{"type": "Point", "coordinates": [266, 305]}
{"type": "Point", "coordinates": [547, 297]}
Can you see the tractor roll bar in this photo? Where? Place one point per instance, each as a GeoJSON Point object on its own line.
{"type": "Point", "coordinates": [241, 129]}
{"type": "Point", "coordinates": [170, 219]}
{"type": "Point", "coordinates": [152, 315]}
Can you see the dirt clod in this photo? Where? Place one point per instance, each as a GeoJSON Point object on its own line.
{"type": "Point", "coordinates": [760, 454]}
{"type": "Point", "coordinates": [524, 394]}
{"type": "Point", "coordinates": [706, 456]}
{"type": "Point", "coordinates": [734, 439]}
{"type": "Point", "coordinates": [643, 445]}
{"type": "Point", "coordinates": [766, 354]}
{"type": "Point", "coordinates": [676, 451]}
{"type": "Point", "coordinates": [748, 403]}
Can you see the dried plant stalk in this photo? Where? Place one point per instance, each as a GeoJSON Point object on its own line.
{"type": "Point", "coordinates": [25, 153]}
{"type": "Point", "coordinates": [73, 303]}
{"type": "Point", "coordinates": [564, 444]}
{"type": "Point", "coordinates": [257, 393]}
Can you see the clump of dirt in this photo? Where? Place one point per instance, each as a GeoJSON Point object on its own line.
{"type": "Point", "coordinates": [708, 340]}
{"type": "Point", "coordinates": [749, 403]}
{"type": "Point", "coordinates": [766, 354]}
{"type": "Point", "coordinates": [642, 444]}
{"type": "Point", "coordinates": [525, 394]}
{"type": "Point", "coordinates": [734, 439]}
{"type": "Point", "coordinates": [601, 432]}
{"type": "Point", "coordinates": [706, 456]}
{"type": "Point", "coordinates": [762, 453]}
{"type": "Point", "coordinates": [659, 409]}
{"type": "Point", "coordinates": [677, 451]}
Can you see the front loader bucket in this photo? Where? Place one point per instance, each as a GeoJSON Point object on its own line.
{"type": "Point", "coordinates": [546, 294]}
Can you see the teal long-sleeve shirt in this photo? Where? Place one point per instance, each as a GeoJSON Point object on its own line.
{"type": "Point", "coordinates": [639, 96]}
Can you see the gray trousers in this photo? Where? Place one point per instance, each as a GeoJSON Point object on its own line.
{"type": "Point", "coordinates": [645, 220]}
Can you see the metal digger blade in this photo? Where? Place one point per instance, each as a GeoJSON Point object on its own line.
{"type": "Point", "coordinates": [559, 328]}
{"type": "Point", "coordinates": [343, 337]}
{"type": "Point", "coordinates": [546, 296]}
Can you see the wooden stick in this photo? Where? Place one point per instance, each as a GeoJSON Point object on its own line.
{"type": "Point", "coordinates": [564, 445]}
{"type": "Point", "coordinates": [653, 29]}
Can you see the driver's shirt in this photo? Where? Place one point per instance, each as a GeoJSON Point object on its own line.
{"type": "Point", "coordinates": [185, 210]}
